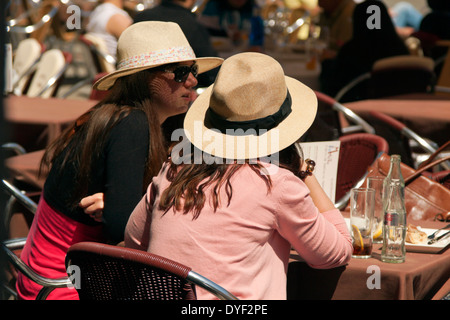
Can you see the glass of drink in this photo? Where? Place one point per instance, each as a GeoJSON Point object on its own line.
{"type": "Point", "coordinates": [362, 205]}
{"type": "Point", "coordinates": [376, 182]}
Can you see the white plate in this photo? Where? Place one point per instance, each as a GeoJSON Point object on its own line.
{"type": "Point", "coordinates": [424, 248]}
{"type": "Point", "coordinates": [429, 248]}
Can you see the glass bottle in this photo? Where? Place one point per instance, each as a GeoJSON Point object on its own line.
{"type": "Point", "coordinates": [256, 38]}
{"type": "Point", "coordinates": [394, 227]}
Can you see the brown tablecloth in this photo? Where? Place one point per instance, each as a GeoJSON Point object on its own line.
{"type": "Point", "coordinates": [421, 276]}
{"type": "Point", "coordinates": [52, 112]}
{"type": "Point", "coordinates": [412, 109]}
{"type": "Point", "coordinates": [26, 168]}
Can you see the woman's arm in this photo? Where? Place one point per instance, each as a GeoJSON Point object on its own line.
{"type": "Point", "coordinates": [318, 195]}
{"type": "Point", "coordinates": [313, 226]}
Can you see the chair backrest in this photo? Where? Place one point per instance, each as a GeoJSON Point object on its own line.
{"type": "Point", "coordinates": [49, 73]}
{"type": "Point", "coordinates": [98, 94]}
{"type": "Point", "coordinates": [400, 75]}
{"type": "Point", "coordinates": [357, 153]}
{"type": "Point", "coordinates": [99, 52]}
{"type": "Point", "coordinates": [109, 272]}
{"type": "Point", "coordinates": [340, 118]}
{"type": "Point", "coordinates": [391, 130]}
{"type": "Point", "coordinates": [12, 247]}
{"type": "Point", "coordinates": [391, 76]}
{"type": "Point", "coordinates": [26, 55]}
{"type": "Point", "coordinates": [399, 135]}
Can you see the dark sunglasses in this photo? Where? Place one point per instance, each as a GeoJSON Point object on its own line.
{"type": "Point", "coordinates": [182, 72]}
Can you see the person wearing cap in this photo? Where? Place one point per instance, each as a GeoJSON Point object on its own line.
{"type": "Point", "coordinates": [114, 149]}
{"type": "Point", "coordinates": [236, 194]}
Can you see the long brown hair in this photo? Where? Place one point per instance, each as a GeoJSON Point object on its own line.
{"type": "Point", "coordinates": [86, 138]}
{"type": "Point", "coordinates": [188, 181]}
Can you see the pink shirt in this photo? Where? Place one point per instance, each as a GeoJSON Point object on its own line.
{"type": "Point", "coordinates": [244, 247]}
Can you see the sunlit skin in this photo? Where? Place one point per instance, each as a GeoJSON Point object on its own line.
{"type": "Point", "coordinates": [171, 97]}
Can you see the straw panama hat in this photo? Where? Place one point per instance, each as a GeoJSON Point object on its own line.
{"type": "Point", "coordinates": [250, 91]}
{"type": "Point", "coordinates": [149, 44]}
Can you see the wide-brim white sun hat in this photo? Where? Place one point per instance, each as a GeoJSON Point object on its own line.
{"type": "Point", "coordinates": [149, 44]}
{"type": "Point", "coordinates": [251, 111]}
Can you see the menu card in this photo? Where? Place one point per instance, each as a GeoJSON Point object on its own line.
{"type": "Point", "coordinates": [326, 156]}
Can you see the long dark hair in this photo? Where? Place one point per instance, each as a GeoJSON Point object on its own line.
{"type": "Point", "coordinates": [84, 141]}
{"type": "Point", "coordinates": [188, 181]}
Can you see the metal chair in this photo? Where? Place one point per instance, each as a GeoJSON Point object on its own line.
{"type": "Point", "coordinates": [104, 63]}
{"type": "Point", "coordinates": [105, 272]}
{"type": "Point", "coordinates": [358, 124]}
{"type": "Point", "coordinates": [358, 151]}
{"type": "Point", "coordinates": [26, 56]}
{"type": "Point", "coordinates": [98, 94]}
{"type": "Point", "coordinates": [102, 60]}
{"type": "Point", "coordinates": [393, 76]}
{"type": "Point", "coordinates": [403, 140]}
{"type": "Point", "coordinates": [48, 74]}
{"type": "Point", "coordinates": [9, 246]}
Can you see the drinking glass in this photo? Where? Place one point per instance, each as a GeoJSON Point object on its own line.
{"type": "Point", "coordinates": [362, 205]}
{"type": "Point", "coordinates": [376, 182]}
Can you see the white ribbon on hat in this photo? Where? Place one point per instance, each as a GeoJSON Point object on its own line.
{"type": "Point", "coordinates": [158, 57]}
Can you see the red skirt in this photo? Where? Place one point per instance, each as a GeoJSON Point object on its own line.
{"type": "Point", "coordinates": [50, 236]}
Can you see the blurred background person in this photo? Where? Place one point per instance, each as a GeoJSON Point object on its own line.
{"type": "Point", "coordinates": [337, 17]}
{"type": "Point", "coordinates": [406, 18]}
{"type": "Point", "coordinates": [230, 18]}
{"type": "Point", "coordinates": [366, 46]}
{"type": "Point", "coordinates": [107, 21]}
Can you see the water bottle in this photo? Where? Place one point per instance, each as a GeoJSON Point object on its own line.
{"type": "Point", "coordinates": [394, 227]}
{"type": "Point", "coordinates": [256, 38]}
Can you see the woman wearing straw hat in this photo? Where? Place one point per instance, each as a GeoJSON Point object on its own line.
{"type": "Point", "coordinates": [234, 215]}
{"type": "Point", "coordinates": [115, 148]}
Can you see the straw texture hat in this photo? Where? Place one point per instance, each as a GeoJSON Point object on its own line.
{"type": "Point", "coordinates": [251, 111]}
{"type": "Point", "coordinates": [149, 44]}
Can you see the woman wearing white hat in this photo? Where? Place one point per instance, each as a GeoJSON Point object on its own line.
{"type": "Point", "coordinates": [234, 214]}
{"type": "Point", "coordinates": [115, 148]}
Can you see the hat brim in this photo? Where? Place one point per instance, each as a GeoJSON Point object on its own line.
{"type": "Point", "coordinates": [107, 81]}
{"type": "Point", "coordinates": [239, 147]}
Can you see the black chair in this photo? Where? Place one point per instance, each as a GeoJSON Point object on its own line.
{"type": "Point", "coordinates": [106, 272]}
{"type": "Point", "coordinates": [393, 76]}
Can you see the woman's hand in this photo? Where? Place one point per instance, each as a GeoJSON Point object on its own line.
{"type": "Point", "coordinates": [93, 206]}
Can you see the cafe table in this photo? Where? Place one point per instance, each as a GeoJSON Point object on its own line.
{"type": "Point", "coordinates": [423, 276]}
{"type": "Point", "coordinates": [411, 107]}
{"type": "Point", "coordinates": [54, 113]}
{"type": "Point", "coordinates": [25, 167]}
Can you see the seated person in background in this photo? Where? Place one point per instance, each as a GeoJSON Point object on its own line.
{"type": "Point", "coordinates": [228, 18]}
{"type": "Point", "coordinates": [406, 18]}
{"type": "Point", "coordinates": [114, 149]}
{"type": "Point", "coordinates": [337, 18]}
{"type": "Point", "coordinates": [107, 21]}
{"type": "Point", "coordinates": [233, 211]}
{"type": "Point", "coordinates": [367, 45]}
{"type": "Point", "coordinates": [437, 22]}
{"type": "Point", "coordinates": [179, 11]}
